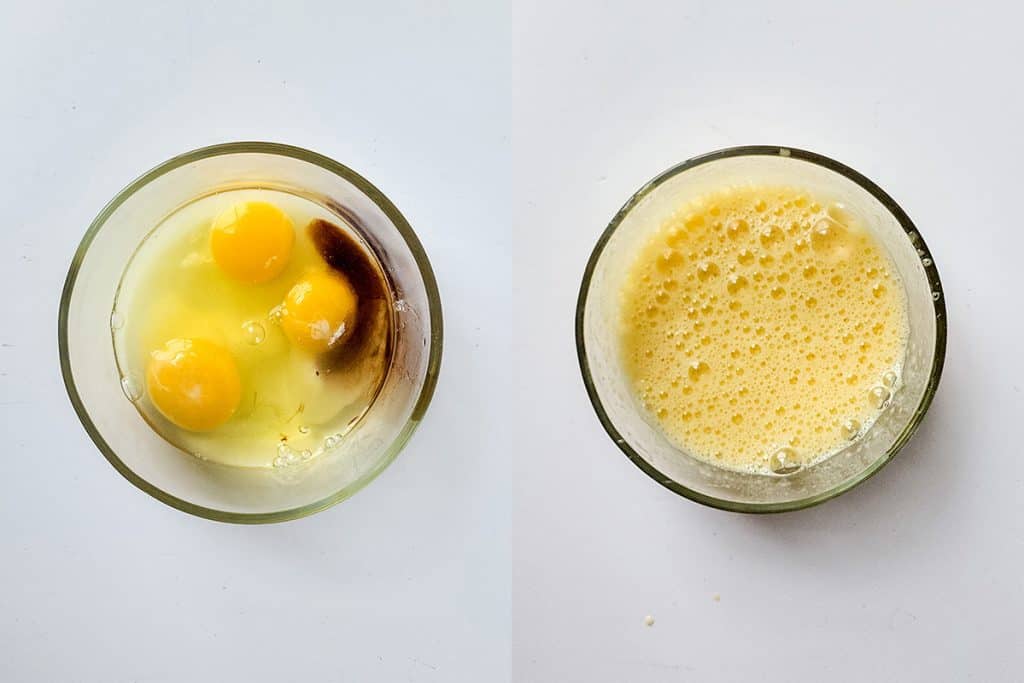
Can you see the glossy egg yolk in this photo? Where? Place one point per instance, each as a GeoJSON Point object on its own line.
{"type": "Point", "coordinates": [194, 383]}
{"type": "Point", "coordinates": [252, 241]}
{"type": "Point", "coordinates": [319, 311]}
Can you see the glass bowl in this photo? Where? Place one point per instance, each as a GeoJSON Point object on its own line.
{"type": "Point", "coordinates": [203, 488]}
{"type": "Point", "coordinates": [597, 339]}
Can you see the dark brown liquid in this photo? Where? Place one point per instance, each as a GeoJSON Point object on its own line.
{"type": "Point", "coordinates": [370, 341]}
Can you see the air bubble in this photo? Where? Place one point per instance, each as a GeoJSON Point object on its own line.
{"type": "Point", "coordinates": [303, 429]}
{"type": "Point", "coordinates": [736, 283]}
{"type": "Point", "coordinates": [132, 388]}
{"type": "Point", "coordinates": [850, 429]}
{"type": "Point", "coordinates": [839, 212]}
{"type": "Point", "coordinates": [784, 461]}
{"type": "Point", "coordinates": [879, 396]}
{"type": "Point", "coordinates": [889, 379]}
{"type": "Point", "coordinates": [707, 270]}
{"type": "Point", "coordinates": [771, 236]}
{"type": "Point", "coordinates": [287, 456]}
{"type": "Point", "coordinates": [737, 228]}
{"type": "Point", "coordinates": [694, 221]}
{"type": "Point", "coordinates": [253, 332]}
{"type": "Point", "coordinates": [669, 260]}
{"type": "Point", "coordinates": [697, 370]}
{"type": "Point", "coordinates": [936, 296]}
{"type": "Point", "coordinates": [926, 262]}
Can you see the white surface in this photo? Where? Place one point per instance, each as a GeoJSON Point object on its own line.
{"type": "Point", "coordinates": [914, 576]}
{"type": "Point", "coordinates": [407, 581]}
{"type": "Point", "coordinates": [511, 540]}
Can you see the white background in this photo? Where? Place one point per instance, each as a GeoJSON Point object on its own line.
{"type": "Point", "coordinates": [914, 576]}
{"type": "Point", "coordinates": [512, 540]}
{"type": "Point", "coordinates": [408, 580]}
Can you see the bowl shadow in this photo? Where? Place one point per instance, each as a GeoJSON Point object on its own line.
{"type": "Point", "coordinates": [889, 514]}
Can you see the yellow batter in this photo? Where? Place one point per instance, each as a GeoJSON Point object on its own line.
{"type": "Point", "coordinates": [762, 329]}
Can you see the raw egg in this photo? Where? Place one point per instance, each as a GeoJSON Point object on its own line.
{"type": "Point", "coordinates": [252, 241]}
{"type": "Point", "coordinates": [194, 383]}
{"type": "Point", "coordinates": [319, 310]}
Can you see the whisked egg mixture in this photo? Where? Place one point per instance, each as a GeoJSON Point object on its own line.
{"type": "Point", "coordinates": [763, 328]}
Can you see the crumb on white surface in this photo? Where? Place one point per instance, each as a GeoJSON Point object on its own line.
{"type": "Point", "coordinates": [649, 620]}
{"type": "Point", "coordinates": [716, 597]}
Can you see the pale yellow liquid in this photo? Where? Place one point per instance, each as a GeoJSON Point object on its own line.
{"type": "Point", "coordinates": [290, 411]}
{"type": "Point", "coordinates": [761, 322]}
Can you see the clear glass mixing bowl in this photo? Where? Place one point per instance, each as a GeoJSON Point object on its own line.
{"type": "Point", "coordinates": [246, 495]}
{"type": "Point", "coordinates": [597, 325]}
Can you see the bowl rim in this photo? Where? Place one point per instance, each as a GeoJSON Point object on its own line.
{"type": "Point", "coordinates": [916, 240]}
{"type": "Point", "coordinates": [371, 192]}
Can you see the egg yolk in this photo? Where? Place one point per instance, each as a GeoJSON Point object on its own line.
{"type": "Point", "coordinates": [194, 383]}
{"type": "Point", "coordinates": [319, 311]}
{"type": "Point", "coordinates": [252, 241]}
